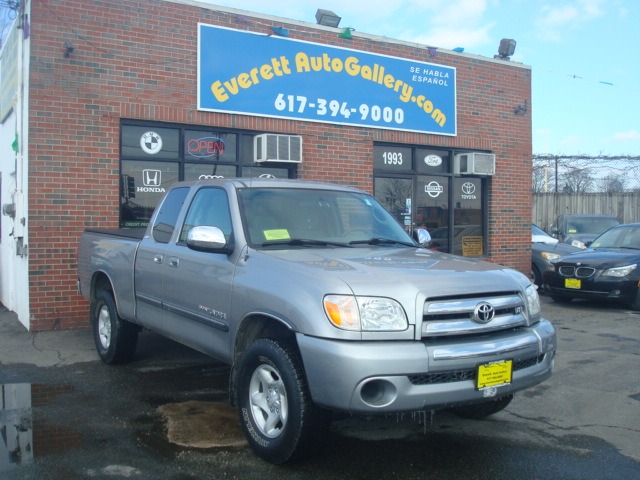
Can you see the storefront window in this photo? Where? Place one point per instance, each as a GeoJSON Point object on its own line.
{"type": "Point", "coordinates": [392, 159]}
{"type": "Point", "coordinates": [418, 186]}
{"type": "Point", "coordinates": [142, 185]}
{"type": "Point", "coordinates": [193, 171]}
{"type": "Point", "coordinates": [430, 161]}
{"type": "Point", "coordinates": [150, 142]}
{"type": "Point", "coordinates": [469, 238]}
{"type": "Point", "coordinates": [210, 146]}
{"type": "Point", "coordinates": [154, 156]}
{"type": "Point", "coordinates": [266, 170]}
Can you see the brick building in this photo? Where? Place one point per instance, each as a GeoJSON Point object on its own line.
{"type": "Point", "coordinates": [104, 104]}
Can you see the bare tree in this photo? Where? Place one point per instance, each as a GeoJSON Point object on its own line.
{"type": "Point", "coordinates": [612, 184]}
{"type": "Point", "coordinates": [543, 179]}
{"type": "Point", "coordinates": [577, 180]}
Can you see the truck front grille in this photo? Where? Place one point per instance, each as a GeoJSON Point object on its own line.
{"type": "Point", "coordinates": [465, 315]}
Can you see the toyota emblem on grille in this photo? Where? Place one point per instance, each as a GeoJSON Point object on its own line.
{"type": "Point", "coordinates": [483, 313]}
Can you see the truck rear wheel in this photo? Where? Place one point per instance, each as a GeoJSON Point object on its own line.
{"type": "Point", "coordinates": [479, 411]}
{"type": "Point", "coordinates": [279, 419]}
{"type": "Point", "coordinates": [115, 338]}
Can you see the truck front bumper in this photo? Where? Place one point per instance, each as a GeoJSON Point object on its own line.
{"type": "Point", "coordinates": [399, 376]}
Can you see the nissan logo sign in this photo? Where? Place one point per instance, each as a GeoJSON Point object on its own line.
{"type": "Point", "coordinates": [483, 313]}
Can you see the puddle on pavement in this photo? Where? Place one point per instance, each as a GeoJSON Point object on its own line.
{"type": "Point", "coordinates": [198, 424]}
{"type": "Point", "coordinates": [24, 436]}
{"type": "Point", "coordinates": [161, 385]}
{"type": "Point", "coordinates": [192, 410]}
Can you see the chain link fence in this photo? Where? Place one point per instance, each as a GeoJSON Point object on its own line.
{"type": "Point", "coordinates": [585, 184]}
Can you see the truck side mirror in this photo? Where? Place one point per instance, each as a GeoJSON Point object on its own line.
{"type": "Point", "coordinates": [421, 235]}
{"type": "Point", "coordinates": [208, 239]}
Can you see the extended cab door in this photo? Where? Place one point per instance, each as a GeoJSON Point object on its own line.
{"type": "Point", "coordinates": [151, 259]}
{"type": "Point", "coordinates": [197, 285]}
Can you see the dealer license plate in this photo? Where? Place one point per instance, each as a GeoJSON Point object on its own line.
{"type": "Point", "coordinates": [572, 283]}
{"type": "Point", "coordinates": [493, 374]}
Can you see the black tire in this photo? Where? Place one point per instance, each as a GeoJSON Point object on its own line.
{"type": "Point", "coordinates": [115, 338]}
{"type": "Point", "coordinates": [279, 419]}
{"type": "Point", "coordinates": [536, 276]}
{"type": "Point", "coordinates": [559, 299]}
{"type": "Point", "coordinates": [479, 411]}
{"type": "Point", "coordinates": [635, 306]}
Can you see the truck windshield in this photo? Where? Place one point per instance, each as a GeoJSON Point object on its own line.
{"type": "Point", "coordinates": [287, 217]}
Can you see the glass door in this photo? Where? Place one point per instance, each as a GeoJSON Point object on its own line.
{"type": "Point", "coordinates": [432, 209]}
{"type": "Point", "coordinates": [395, 195]}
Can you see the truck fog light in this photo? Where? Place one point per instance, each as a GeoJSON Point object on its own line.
{"type": "Point", "coordinates": [378, 393]}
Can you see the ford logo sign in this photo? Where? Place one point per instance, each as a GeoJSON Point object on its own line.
{"type": "Point", "coordinates": [433, 160]}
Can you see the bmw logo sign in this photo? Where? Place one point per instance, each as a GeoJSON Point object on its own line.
{"type": "Point", "coordinates": [151, 142]}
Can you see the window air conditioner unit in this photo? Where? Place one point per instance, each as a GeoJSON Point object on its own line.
{"type": "Point", "coordinates": [475, 163]}
{"type": "Point", "coordinates": [270, 147]}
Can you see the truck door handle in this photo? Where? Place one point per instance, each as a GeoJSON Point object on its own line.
{"type": "Point", "coordinates": [174, 261]}
{"type": "Point", "coordinates": [157, 258]}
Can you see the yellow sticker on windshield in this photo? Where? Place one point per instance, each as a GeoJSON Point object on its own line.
{"type": "Point", "coordinates": [277, 234]}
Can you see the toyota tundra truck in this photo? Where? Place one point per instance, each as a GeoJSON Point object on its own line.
{"type": "Point", "coordinates": [320, 302]}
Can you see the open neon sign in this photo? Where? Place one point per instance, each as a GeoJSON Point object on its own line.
{"type": "Point", "coordinates": [205, 147]}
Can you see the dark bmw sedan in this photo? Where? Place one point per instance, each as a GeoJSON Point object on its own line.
{"type": "Point", "coordinates": [609, 269]}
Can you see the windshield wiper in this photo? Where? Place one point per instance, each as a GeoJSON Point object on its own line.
{"type": "Point", "coordinates": [304, 242]}
{"type": "Point", "coordinates": [380, 241]}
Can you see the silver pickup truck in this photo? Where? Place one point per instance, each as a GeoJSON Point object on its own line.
{"type": "Point", "coordinates": [320, 301]}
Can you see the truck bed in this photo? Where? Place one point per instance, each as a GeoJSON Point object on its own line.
{"type": "Point", "coordinates": [131, 233]}
{"type": "Point", "coordinates": [111, 252]}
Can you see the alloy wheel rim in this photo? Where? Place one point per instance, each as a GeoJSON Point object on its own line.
{"type": "Point", "coordinates": [104, 327]}
{"type": "Point", "coordinates": [268, 401]}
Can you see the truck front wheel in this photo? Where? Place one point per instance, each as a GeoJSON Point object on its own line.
{"type": "Point", "coordinates": [279, 419]}
{"type": "Point", "coordinates": [115, 338]}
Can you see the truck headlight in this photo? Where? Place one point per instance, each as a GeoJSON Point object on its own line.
{"type": "Point", "coordinates": [619, 271]}
{"type": "Point", "coordinates": [533, 304]}
{"type": "Point", "coordinates": [365, 314]}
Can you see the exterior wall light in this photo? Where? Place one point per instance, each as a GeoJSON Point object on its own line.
{"type": "Point", "coordinates": [327, 18]}
{"type": "Point", "coordinates": [68, 49]}
{"type": "Point", "coordinates": [521, 109]}
{"type": "Point", "coordinates": [506, 49]}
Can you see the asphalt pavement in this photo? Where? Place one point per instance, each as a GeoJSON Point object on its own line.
{"type": "Point", "coordinates": [65, 415]}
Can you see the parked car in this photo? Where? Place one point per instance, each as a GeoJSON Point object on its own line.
{"type": "Point", "coordinates": [579, 230]}
{"type": "Point", "coordinates": [609, 269]}
{"type": "Point", "coordinates": [545, 248]}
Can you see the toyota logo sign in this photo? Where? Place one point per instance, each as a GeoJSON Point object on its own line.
{"type": "Point", "coordinates": [483, 313]}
